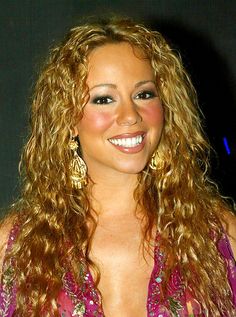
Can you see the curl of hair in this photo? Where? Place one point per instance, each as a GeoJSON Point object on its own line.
{"type": "Point", "coordinates": [178, 196]}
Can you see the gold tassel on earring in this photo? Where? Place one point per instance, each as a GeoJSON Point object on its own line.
{"type": "Point", "coordinates": [78, 168]}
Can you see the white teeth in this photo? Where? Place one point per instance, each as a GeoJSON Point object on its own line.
{"type": "Point", "coordinates": [127, 142]}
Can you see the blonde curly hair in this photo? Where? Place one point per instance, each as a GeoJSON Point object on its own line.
{"type": "Point", "coordinates": [178, 197]}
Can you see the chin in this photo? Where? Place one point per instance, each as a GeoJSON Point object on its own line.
{"type": "Point", "coordinates": [131, 168]}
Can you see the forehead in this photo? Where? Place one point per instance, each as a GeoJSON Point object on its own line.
{"type": "Point", "coordinates": [125, 46]}
{"type": "Point", "coordinates": [118, 58]}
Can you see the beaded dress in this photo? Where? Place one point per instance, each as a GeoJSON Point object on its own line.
{"type": "Point", "coordinates": [84, 300]}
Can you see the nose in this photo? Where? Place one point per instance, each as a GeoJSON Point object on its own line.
{"type": "Point", "coordinates": [128, 114]}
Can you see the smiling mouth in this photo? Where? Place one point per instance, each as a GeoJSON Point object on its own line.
{"type": "Point", "coordinates": [127, 142]}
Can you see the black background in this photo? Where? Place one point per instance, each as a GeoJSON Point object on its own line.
{"type": "Point", "coordinates": [203, 31]}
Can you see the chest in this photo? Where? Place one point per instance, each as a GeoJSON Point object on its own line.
{"type": "Point", "coordinates": [125, 268]}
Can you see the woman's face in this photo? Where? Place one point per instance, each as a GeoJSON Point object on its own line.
{"type": "Point", "coordinates": [123, 119]}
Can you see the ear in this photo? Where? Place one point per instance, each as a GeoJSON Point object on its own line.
{"type": "Point", "coordinates": [75, 131]}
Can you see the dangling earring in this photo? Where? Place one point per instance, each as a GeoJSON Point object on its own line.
{"type": "Point", "coordinates": [78, 168]}
{"type": "Point", "coordinates": [153, 163]}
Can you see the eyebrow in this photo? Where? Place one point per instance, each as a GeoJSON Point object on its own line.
{"type": "Point", "coordinates": [140, 83]}
{"type": "Point", "coordinates": [143, 82]}
{"type": "Point", "coordinates": [104, 85]}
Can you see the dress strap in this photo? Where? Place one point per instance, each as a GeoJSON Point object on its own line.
{"type": "Point", "coordinates": [7, 284]}
{"type": "Point", "coordinates": [12, 236]}
{"type": "Point", "coordinates": [225, 249]}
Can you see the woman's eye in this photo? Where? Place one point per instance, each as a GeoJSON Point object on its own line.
{"type": "Point", "coordinates": [145, 95]}
{"type": "Point", "coordinates": [104, 100]}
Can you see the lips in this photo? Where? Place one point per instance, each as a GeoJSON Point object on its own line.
{"type": "Point", "coordinates": [129, 142]}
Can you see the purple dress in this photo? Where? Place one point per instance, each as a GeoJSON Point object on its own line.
{"type": "Point", "coordinates": [84, 300]}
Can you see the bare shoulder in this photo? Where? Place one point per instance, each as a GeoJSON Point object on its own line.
{"type": "Point", "coordinates": [230, 228]}
{"type": "Point", "coordinates": [5, 228]}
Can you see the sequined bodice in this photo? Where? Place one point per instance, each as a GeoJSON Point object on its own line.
{"type": "Point", "coordinates": [84, 299]}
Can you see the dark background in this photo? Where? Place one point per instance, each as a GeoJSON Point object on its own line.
{"type": "Point", "coordinates": [202, 30]}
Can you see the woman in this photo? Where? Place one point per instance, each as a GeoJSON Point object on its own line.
{"type": "Point", "coordinates": [117, 215]}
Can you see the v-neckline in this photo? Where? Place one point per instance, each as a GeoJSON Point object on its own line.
{"type": "Point", "coordinates": [155, 276]}
{"type": "Point", "coordinates": [94, 297]}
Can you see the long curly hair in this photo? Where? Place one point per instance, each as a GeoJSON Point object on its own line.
{"type": "Point", "coordinates": [178, 197]}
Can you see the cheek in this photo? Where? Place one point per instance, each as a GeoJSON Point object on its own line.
{"type": "Point", "coordinates": [95, 121]}
{"type": "Point", "coordinates": [153, 114]}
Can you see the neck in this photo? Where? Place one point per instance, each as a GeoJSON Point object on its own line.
{"type": "Point", "coordinates": [113, 194]}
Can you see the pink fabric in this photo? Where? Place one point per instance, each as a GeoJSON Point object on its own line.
{"type": "Point", "coordinates": [84, 300]}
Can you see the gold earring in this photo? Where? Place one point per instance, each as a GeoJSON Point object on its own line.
{"type": "Point", "coordinates": [153, 163]}
{"type": "Point", "coordinates": [78, 167]}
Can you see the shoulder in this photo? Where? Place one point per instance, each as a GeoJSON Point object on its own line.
{"type": "Point", "coordinates": [229, 223]}
{"type": "Point", "coordinates": [5, 229]}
